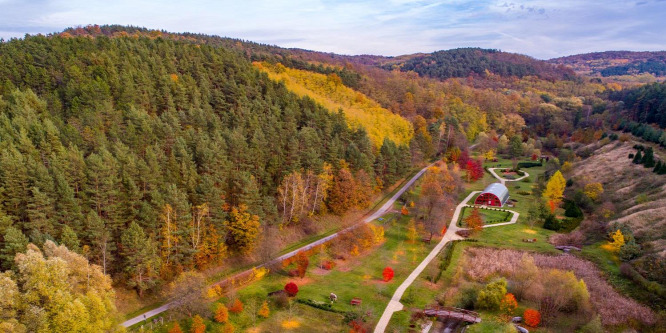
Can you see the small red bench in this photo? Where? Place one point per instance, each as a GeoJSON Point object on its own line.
{"type": "Point", "coordinates": [356, 301]}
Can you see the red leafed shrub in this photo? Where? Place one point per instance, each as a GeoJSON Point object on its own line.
{"type": "Point", "coordinates": [532, 317]}
{"type": "Point", "coordinates": [291, 289]}
{"type": "Point", "coordinates": [237, 307]}
{"type": "Point", "coordinates": [388, 274]}
{"type": "Point", "coordinates": [328, 265]}
{"type": "Point", "coordinates": [357, 326]}
{"type": "Point", "coordinates": [534, 157]}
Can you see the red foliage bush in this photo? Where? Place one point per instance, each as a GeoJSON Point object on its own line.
{"type": "Point", "coordinates": [328, 265]}
{"type": "Point", "coordinates": [532, 317]}
{"type": "Point", "coordinates": [388, 274]}
{"type": "Point", "coordinates": [291, 289]}
{"type": "Point", "coordinates": [237, 307]}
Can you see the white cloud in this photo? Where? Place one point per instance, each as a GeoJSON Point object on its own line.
{"type": "Point", "coordinates": [541, 28]}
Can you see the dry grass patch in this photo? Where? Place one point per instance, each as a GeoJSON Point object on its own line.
{"type": "Point", "coordinates": [482, 263]}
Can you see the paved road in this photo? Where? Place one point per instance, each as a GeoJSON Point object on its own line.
{"type": "Point", "coordinates": [381, 211]}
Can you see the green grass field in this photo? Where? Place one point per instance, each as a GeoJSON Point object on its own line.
{"type": "Point", "coordinates": [489, 216]}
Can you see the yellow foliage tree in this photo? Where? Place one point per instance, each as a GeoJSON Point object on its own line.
{"type": "Point", "coordinates": [593, 190]}
{"type": "Point", "coordinates": [359, 110]}
{"type": "Point", "coordinates": [489, 155]}
{"type": "Point", "coordinates": [264, 311]}
{"type": "Point", "coordinates": [618, 240]}
{"type": "Point", "coordinates": [555, 189]}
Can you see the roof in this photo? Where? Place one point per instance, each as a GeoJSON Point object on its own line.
{"type": "Point", "coordinates": [499, 190]}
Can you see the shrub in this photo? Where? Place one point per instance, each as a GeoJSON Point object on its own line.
{"type": "Point", "coordinates": [491, 295]}
{"type": "Point", "coordinates": [221, 313]}
{"type": "Point", "coordinates": [594, 326]}
{"type": "Point", "coordinates": [388, 274]}
{"type": "Point", "coordinates": [302, 263]}
{"type": "Point", "coordinates": [467, 298]}
{"type": "Point", "coordinates": [228, 328]}
{"type": "Point", "coordinates": [291, 289]}
{"type": "Point", "coordinates": [532, 317]}
{"type": "Point", "coordinates": [264, 311]}
{"type": "Point", "coordinates": [508, 304]}
{"type": "Point", "coordinates": [551, 223]}
{"type": "Point", "coordinates": [328, 265]}
{"type": "Point", "coordinates": [237, 307]}
{"type": "Point", "coordinates": [281, 299]}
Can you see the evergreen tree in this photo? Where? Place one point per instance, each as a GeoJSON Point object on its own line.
{"type": "Point", "coordinates": [14, 241]}
{"type": "Point", "coordinates": [657, 167]}
{"type": "Point", "coordinates": [638, 158]}
{"type": "Point", "coordinates": [141, 263]}
{"type": "Point", "coordinates": [69, 239]}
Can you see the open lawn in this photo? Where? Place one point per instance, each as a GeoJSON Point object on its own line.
{"type": "Point", "coordinates": [489, 216]}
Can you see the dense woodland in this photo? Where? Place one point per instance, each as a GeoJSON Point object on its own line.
{"type": "Point", "coordinates": [645, 104]}
{"type": "Point", "coordinates": [153, 156]}
{"type": "Point", "coordinates": [467, 61]}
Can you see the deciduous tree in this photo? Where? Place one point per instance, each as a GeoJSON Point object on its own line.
{"type": "Point", "coordinates": [243, 229]}
{"type": "Point", "coordinates": [555, 189]}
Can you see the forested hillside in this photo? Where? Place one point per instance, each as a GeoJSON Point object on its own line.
{"type": "Point", "coordinates": [645, 104]}
{"type": "Point", "coordinates": [360, 111]}
{"type": "Point", "coordinates": [153, 156]}
{"type": "Point", "coordinates": [475, 61]}
{"type": "Point", "coordinates": [613, 63]}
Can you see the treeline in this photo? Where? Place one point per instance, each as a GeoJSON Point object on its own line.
{"type": "Point", "coordinates": [153, 156]}
{"type": "Point", "coordinates": [645, 104]}
{"type": "Point", "coordinates": [644, 131]}
{"type": "Point", "coordinates": [657, 68]}
{"type": "Point", "coordinates": [464, 62]}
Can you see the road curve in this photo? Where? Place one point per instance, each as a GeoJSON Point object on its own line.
{"type": "Point", "coordinates": [378, 213]}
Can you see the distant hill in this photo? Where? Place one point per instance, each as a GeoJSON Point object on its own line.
{"type": "Point", "coordinates": [612, 63]}
{"type": "Point", "coordinates": [464, 62]}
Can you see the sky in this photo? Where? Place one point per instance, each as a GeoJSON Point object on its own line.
{"type": "Point", "coordinates": [543, 29]}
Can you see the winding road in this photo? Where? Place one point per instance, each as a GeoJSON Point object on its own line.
{"type": "Point", "coordinates": [394, 304]}
{"type": "Point", "coordinates": [378, 213]}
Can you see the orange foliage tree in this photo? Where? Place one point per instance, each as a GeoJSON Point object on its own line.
{"type": "Point", "coordinates": [474, 221]}
{"type": "Point", "coordinates": [532, 317]}
{"type": "Point", "coordinates": [237, 307]}
{"type": "Point", "coordinates": [508, 304]}
{"type": "Point", "coordinates": [302, 263]}
{"type": "Point", "coordinates": [221, 313]}
{"type": "Point", "coordinates": [176, 329]}
{"type": "Point", "coordinates": [198, 325]}
{"type": "Point", "coordinates": [404, 211]}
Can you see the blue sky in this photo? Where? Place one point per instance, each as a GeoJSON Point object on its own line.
{"type": "Point", "coordinates": [540, 28]}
